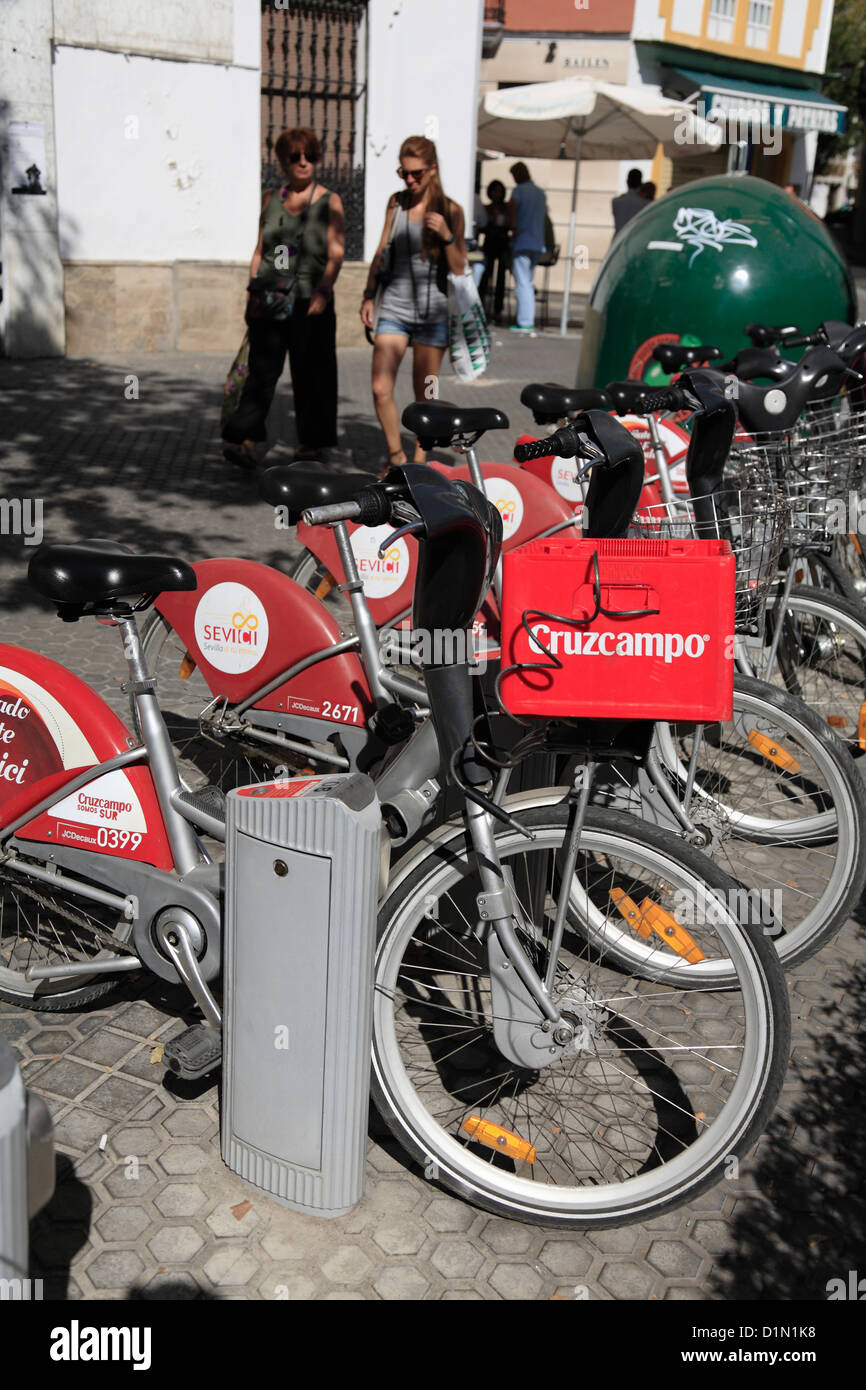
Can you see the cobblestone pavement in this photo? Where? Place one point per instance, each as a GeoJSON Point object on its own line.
{"type": "Point", "coordinates": [144, 1207]}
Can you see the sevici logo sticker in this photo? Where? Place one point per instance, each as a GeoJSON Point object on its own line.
{"type": "Point", "coordinates": [231, 627]}
{"type": "Point", "coordinates": [563, 475]}
{"type": "Point", "coordinates": [509, 503]}
{"type": "Point", "coordinates": [381, 575]}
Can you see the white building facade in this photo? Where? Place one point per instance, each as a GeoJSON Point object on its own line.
{"type": "Point", "coordinates": [146, 126]}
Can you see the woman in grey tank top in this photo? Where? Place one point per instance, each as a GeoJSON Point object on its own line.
{"type": "Point", "coordinates": [421, 241]}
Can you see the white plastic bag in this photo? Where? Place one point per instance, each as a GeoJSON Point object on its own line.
{"type": "Point", "coordinates": [468, 334]}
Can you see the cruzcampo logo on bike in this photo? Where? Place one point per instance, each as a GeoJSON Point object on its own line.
{"type": "Point", "coordinates": [508, 502]}
{"type": "Point", "coordinates": [231, 627]}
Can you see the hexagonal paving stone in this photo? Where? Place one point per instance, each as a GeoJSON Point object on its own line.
{"type": "Point", "coordinates": [50, 1042]}
{"type": "Point", "coordinates": [232, 1264]}
{"type": "Point", "coordinates": [624, 1279]}
{"type": "Point", "coordinates": [181, 1159]}
{"type": "Point", "coordinates": [180, 1199]}
{"type": "Point", "coordinates": [68, 1078]}
{"type": "Point", "coordinates": [506, 1237]}
{"type": "Point", "coordinates": [457, 1259]}
{"type": "Point", "coordinates": [187, 1123]}
{"type": "Point", "coordinates": [565, 1257]}
{"type": "Point", "coordinates": [279, 1245]}
{"type": "Point", "coordinates": [674, 1257]}
{"type": "Point", "coordinates": [400, 1238]}
{"type": "Point", "coordinates": [225, 1221]}
{"type": "Point", "coordinates": [115, 1269]}
{"type": "Point", "coordinates": [386, 1160]}
{"type": "Point", "coordinates": [175, 1244]}
{"type": "Point", "coordinates": [345, 1296]}
{"type": "Point", "coordinates": [392, 1196]}
{"type": "Point", "coordinates": [401, 1282]}
{"type": "Point", "coordinates": [117, 1096]}
{"type": "Point", "coordinates": [346, 1265]}
{"type": "Point", "coordinates": [79, 1128]}
{"type": "Point", "coordinates": [138, 1140]}
{"type": "Point", "coordinates": [141, 1019]}
{"type": "Point", "coordinates": [618, 1240]}
{"type": "Point", "coordinates": [293, 1287]}
{"type": "Point", "coordinates": [713, 1236]}
{"type": "Point", "coordinates": [683, 1293]}
{"type": "Point", "coordinates": [449, 1214]}
{"type": "Point", "coordinates": [516, 1281]}
{"type": "Point", "coordinates": [105, 1047]}
{"type": "Point", "coordinates": [461, 1295]}
{"type": "Point", "coordinates": [124, 1222]}
{"type": "Point", "coordinates": [130, 1179]}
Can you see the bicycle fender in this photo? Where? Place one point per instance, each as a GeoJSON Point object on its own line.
{"type": "Point", "coordinates": [53, 726]}
{"type": "Point", "coordinates": [247, 623]}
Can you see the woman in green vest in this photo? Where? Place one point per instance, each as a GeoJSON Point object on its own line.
{"type": "Point", "coordinates": [290, 306]}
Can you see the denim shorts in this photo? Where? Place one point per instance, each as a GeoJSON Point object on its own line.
{"type": "Point", "coordinates": [426, 334]}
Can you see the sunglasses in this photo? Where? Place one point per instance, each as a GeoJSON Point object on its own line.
{"type": "Point", "coordinates": [407, 174]}
{"type": "Point", "coordinates": [297, 155]}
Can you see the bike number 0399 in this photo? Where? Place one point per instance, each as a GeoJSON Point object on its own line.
{"type": "Point", "coordinates": [117, 839]}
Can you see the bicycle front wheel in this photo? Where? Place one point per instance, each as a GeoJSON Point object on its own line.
{"type": "Point", "coordinates": [664, 1079]}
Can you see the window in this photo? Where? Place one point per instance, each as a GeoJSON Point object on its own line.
{"type": "Point", "coordinates": [758, 26]}
{"type": "Point", "coordinates": [721, 21]}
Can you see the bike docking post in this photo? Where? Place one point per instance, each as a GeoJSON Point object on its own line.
{"type": "Point", "coordinates": [302, 880]}
{"type": "Point", "coordinates": [26, 1174]}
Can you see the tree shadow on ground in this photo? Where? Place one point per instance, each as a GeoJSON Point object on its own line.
{"type": "Point", "coordinates": [806, 1224]}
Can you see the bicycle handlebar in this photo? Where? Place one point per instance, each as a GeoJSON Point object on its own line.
{"type": "Point", "coordinates": [669, 398]}
{"type": "Point", "coordinates": [371, 507]}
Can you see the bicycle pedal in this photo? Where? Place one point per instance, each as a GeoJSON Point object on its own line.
{"type": "Point", "coordinates": [210, 800]}
{"type": "Point", "coordinates": [194, 1052]}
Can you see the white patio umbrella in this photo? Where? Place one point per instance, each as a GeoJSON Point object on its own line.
{"type": "Point", "coordinates": [582, 118]}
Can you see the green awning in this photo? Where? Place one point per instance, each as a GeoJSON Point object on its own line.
{"type": "Point", "coordinates": [793, 108]}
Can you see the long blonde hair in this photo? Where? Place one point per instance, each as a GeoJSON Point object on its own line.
{"type": "Point", "coordinates": [419, 147]}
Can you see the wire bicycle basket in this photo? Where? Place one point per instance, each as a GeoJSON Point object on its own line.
{"type": "Point", "coordinates": [817, 465]}
{"type": "Point", "coordinates": [754, 521]}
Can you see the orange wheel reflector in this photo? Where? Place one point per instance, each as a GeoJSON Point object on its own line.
{"type": "Point", "coordinates": [495, 1137]}
{"type": "Point", "coordinates": [325, 585]}
{"type": "Point", "coordinates": [861, 726]}
{"type": "Point", "coordinates": [772, 750]}
{"type": "Point", "coordinates": [187, 666]}
{"type": "Point", "coordinates": [630, 911]}
{"type": "Point", "coordinates": [799, 575]}
{"type": "Point", "coordinates": [856, 539]}
{"type": "Point", "coordinates": [665, 925]}
{"type": "Point", "coordinates": [836, 721]}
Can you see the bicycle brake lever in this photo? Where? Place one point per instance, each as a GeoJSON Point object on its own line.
{"type": "Point", "coordinates": [407, 530]}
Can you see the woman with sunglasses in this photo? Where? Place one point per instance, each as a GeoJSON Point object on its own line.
{"type": "Point", "coordinates": [300, 247]}
{"type": "Point", "coordinates": [421, 241]}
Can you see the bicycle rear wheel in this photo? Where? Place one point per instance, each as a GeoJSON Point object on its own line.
{"type": "Point", "coordinates": [821, 658]}
{"type": "Point", "coordinates": [664, 1079]}
{"type": "Point", "coordinates": [40, 925]}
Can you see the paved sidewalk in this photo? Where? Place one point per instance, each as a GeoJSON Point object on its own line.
{"type": "Point", "coordinates": [144, 1207]}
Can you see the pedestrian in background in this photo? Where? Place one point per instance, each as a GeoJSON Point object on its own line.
{"type": "Point", "coordinates": [527, 211]}
{"type": "Point", "coordinates": [300, 247]}
{"type": "Point", "coordinates": [648, 192]}
{"type": "Point", "coordinates": [421, 241]}
{"type": "Point", "coordinates": [630, 203]}
{"type": "Point", "coordinates": [497, 235]}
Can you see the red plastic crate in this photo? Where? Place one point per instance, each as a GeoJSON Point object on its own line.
{"type": "Point", "coordinates": [676, 663]}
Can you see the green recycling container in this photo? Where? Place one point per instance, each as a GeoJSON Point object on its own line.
{"type": "Point", "coordinates": [699, 264]}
